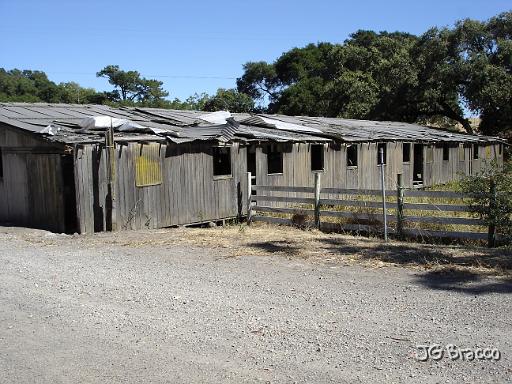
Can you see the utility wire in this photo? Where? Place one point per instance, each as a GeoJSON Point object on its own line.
{"type": "Point", "coordinates": [153, 76]}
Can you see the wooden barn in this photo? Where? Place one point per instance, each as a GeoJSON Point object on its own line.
{"type": "Point", "coordinates": [88, 168]}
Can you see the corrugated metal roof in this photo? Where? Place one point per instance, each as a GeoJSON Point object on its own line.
{"type": "Point", "coordinates": [183, 125]}
{"type": "Point", "coordinates": [350, 130]}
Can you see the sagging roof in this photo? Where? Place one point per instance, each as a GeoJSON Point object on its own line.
{"type": "Point", "coordinates": [75, 123]}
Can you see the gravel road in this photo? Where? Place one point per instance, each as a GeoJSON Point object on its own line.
{"type": "Point", "coordinates": [77, 309]}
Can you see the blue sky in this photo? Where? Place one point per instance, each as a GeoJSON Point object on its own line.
{"type": "Point", "coordinates": [198, 46]}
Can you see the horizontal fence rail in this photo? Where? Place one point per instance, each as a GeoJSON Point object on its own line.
{"type": "Point", "coordinates": [303, 200]}
{"type": "Point", "coordinates": [366, 192]}
{"type": "Point", "coordinates": [316, 207]}
{"type": "Point", "coordinates": [356, 203]}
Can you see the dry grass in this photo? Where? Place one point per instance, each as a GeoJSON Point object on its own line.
{"type": "Point", "coordinates": [264, 240]}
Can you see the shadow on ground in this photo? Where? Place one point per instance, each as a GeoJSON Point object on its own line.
{"type": "Point", "coordinates": [499, 260]}
{"type": "Point", "coordinates": [465, 270]}
{"type": "Point", "coordinates": [469, 270]}
{"type": "Point", "coordinates": [289, 248]}
{"type": "Point", "coordinates": [464, 282]}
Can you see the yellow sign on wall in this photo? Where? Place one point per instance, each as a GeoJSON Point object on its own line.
{"type": "Point", "coordinates": [148, 165]}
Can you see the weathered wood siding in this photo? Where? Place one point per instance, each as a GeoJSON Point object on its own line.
{"type": "Point", "coordinates": [31, 188]}
{"type": "Point", "coordinates": [297, 166]}
{"type": "Point", "coordinates": [439, 171]}
{"type": "Point", "coordinates": [189, 193]}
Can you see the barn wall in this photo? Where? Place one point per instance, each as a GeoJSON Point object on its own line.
{"type": "Point", "coordinates": [31, 186]}
{"type": "Point", "coordinates": [441, 171]}
{"type": "Point", "coordinates": [297, 166]}
{"type": "Point", "coordinates": [84, 187]}
{"type": "Point", "coordinates": [188, 193]}
{"type": "Point", "coordinates": [486, 155]}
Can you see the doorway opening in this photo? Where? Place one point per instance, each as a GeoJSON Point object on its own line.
{"type": "Point", "coordinates": [251, 164]}
{"type": "Point", "coordinates": [417, 178]}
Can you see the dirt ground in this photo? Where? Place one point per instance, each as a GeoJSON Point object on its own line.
{"type": "Point", "coordinates": [238, 304]}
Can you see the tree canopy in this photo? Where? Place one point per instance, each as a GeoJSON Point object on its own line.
{"type": "Point", "coordinates": [130, 86]}
{"type": "Point", "coordinates": [230, 100]}
{"type": "Point", "coordinates": [436, 77]}
{"type": "Point", "coordinates": [34, 86]}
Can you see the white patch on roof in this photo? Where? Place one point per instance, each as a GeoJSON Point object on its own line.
{"type": "Point", "coordinates": [219, 117]}
{"type": "Point", "coordinates": [105, 122]}
{"type": "Point", "coordinates": [51, 130]}
{"type": "Point", "coordinates": [282, 125]}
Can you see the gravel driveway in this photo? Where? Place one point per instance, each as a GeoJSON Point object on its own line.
{"type": "Point", "coordinates": [80, 309]}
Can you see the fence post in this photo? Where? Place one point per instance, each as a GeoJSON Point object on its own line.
{"type": "Point", "coordinates": [491, 238]}
{"type": "Point", "coordinates": [317, 200]}
{"type": "Point", "coordinates": [249, 198]}
{"type": "Point", "coordinates": [399, 206]}
{"type": "Point", "coordinates": [383, 185]}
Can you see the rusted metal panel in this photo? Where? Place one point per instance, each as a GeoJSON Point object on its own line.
{"type": "Point", "coordinates": [148, 166]}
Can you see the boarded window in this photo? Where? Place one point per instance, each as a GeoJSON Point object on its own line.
{"type": "Point", "coordinates": [148, 166]}
{"type": "Point", "coordinates": [476, 155]}
{"type": "Point", "coordinates": [274, 160]}
{"type": "Point", "coordinates": [488, 152]}
{"type": "Point", "coordinates": [446, 152]}
{"type": "Point", "coordinates": [317, 157]}
{"type": "Point", "coordinates": [406, 152]}
{"type": "Point", "coordinates": [221, 161]}
{"type": "Point", "coordinates": [382, 147]}
{"type": "Point", "coordinates": [462, 152]}
{"type": "Point", "coordinates": [352, 156]}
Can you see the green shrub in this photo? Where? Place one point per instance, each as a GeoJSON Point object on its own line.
{"type": "Point", "coordinates": [495, 211]}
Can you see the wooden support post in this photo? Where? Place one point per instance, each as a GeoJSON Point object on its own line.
{"type": "Point", "coordinates": [491, 238]}
{"type": "Point", "coordinates": [111, 179]}
{"type": "Point", "coordinates": [383, 185]}
{"type": "Point", "coordinates": [249, 198]}
{"type": "Point", "coordinates": [400, 206]}
{"type": "Point", "coordinates": [317, 199]}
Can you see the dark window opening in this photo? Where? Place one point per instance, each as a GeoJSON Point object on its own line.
{"type": "Point", "coordinates": [417, 166]}
{"type": "Point", "coordinates": [406, 152]}
{"type": "Point", "coordinates": [475, 152]}
{"type": "Point", "coordinates": [500, 149]}
{"type": "Point", "coordinates": [221, 161]}
{"type": "Point", "coordinates": [251, 165]}
{"type": "Point", "coordinates": [1, 165]}
{"type": "Point", "coordinates": [352, 156]}
{"type": "Point", "coordinates": [274, 161]}
{"type": "Point", "coordinates": [446, 152]}
{"type": "Point", "coordinates": [382, 147]}
{"type": "Point", "coordinates": [317, 157]}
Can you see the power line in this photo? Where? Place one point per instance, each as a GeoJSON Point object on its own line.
{"type": "Point", "coordinates": [153, 76]}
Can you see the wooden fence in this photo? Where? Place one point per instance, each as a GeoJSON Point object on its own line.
{"type": "Point", "coordinates": [316, 206]}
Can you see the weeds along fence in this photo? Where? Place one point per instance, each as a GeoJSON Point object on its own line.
{"type": "Point", "coordinates": [409, 213]}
